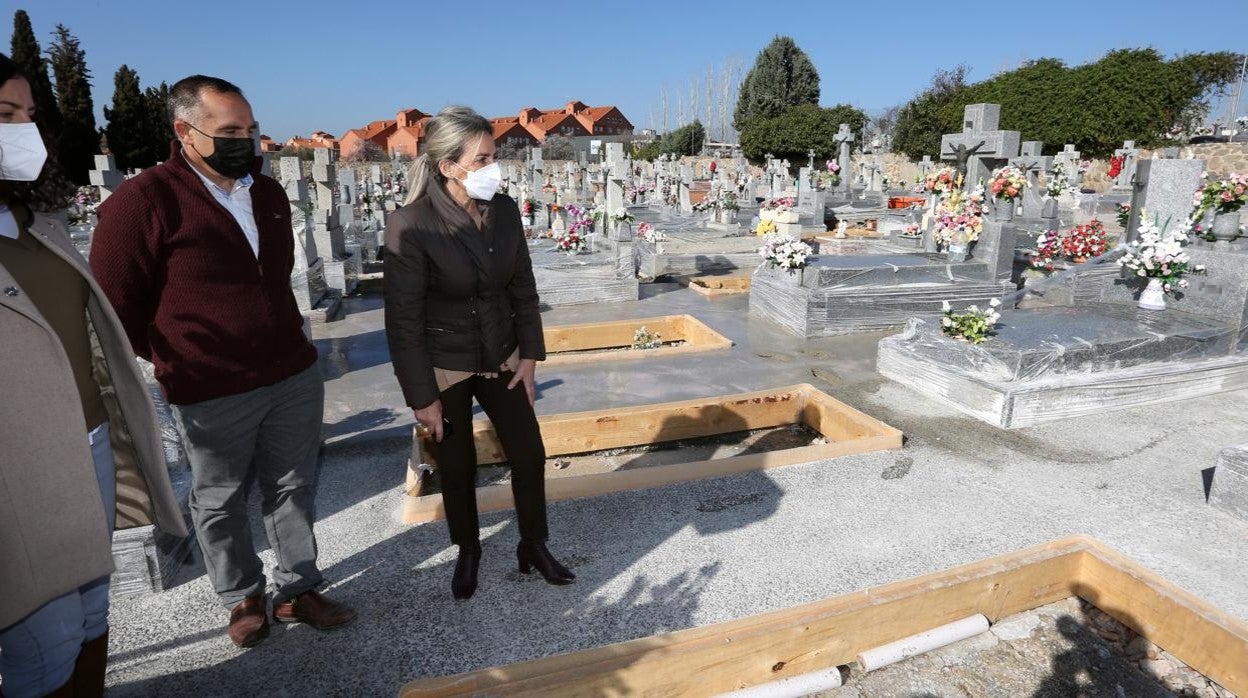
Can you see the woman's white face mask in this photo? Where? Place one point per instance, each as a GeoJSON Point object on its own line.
{"type": "Point", "coordinates": [482, 184]}
{"type": "Point", "coordinates": [22, 153]}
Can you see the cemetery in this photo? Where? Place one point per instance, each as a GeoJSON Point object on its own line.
{"type": "Point", "coordinates": [865, 413]}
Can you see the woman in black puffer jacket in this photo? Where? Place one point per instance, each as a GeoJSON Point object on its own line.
{"type": "Point", "coordinates": [462, 322]}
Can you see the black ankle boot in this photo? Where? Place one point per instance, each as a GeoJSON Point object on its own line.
{"type": "Point", "coordinates": [464, 583]}
{"type": "Point", "coordinates": [532, 554]}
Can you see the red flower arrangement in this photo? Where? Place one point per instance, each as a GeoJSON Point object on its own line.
{"type": "Point", "coordinates": [1115, 165]}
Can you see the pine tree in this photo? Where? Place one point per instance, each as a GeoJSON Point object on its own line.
{"type": "Point", "coordinates": [159, 128]}
{"type": "Point", "coordinates": [128, 130]}
{"type": "Point", "coordinates": [79, 140]}
{"type": "Point", "coordinates": [26, 54]}
{"type": "Point", "coordinates": [782, 77]}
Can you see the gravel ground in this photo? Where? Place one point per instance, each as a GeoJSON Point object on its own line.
{"type": "Point", "coordinates": [692, 554]}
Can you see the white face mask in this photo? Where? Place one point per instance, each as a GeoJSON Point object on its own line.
{"type": "Point", "coordinates": [483, 184]}
{"type": "Point", "coordinates": [21, 152]}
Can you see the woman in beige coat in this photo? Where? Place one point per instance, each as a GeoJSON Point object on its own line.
{"type": "Point", "coordinates": [80, 452]}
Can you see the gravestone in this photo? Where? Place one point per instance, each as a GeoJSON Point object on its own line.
{"type": "Point", "coordinates": [1125, 176]}
{"type": "Point", "coordinates": [684, 182]}
{"type": "Point", "coordinates": [348, 189]}
{"type": "Point", "coordinates": [1071, 159]}
{"type": "Point", "coordinates": [981, 143]}
{"type": "Point", "coordinates": [1163, 190]}
{"type": "Point", "coordinates": [340, 266]}
{"type": "Point", "coordinates": [925, 165]}
{"type": "Point", "coordinates": [1032, 163]}
{"type": "Point", "coordinates": [307, 279]}
{"type": "Point", "coordinates": [106, 177]}
{"type": "Point", "coordinates": [843, 137]}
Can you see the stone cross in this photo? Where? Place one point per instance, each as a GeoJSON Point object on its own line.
{"type": "Point", "coordinates": [843, 137]}
{"type": "Point", "coordinates": [1128, 153]}
{"type": "Point", "coordinates": [1070, 159]}
{"type": "Point", "coordinates": [925, 165]}
{"type": "Point", "coordinates": [1032, 163]}
{"type": "Point", "coordinates": [307, 276]}
{"type": "Point", "coordinates": [106, 176]}
{"type": "Point", "coordinates": [984, 146]}
{"type": "Point", "coordinates": [811, 154]}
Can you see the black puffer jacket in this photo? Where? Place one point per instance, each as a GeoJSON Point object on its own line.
{"type": "Point", "coordinates": [457, 297]}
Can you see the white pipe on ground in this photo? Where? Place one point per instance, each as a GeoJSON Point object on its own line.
{"type": "Point", "coordinates": [935, 638]}
{"type": "Point", "coordinates": [793, 686]}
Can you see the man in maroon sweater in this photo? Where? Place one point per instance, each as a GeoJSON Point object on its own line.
{"type": "Point", "coordinates": [195, 254]}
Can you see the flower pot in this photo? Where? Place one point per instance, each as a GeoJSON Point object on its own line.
{"type": "Point", "coordinates": [1153, 297]}
{"type": "Point", "coordinates": [1226, 226]}
{"type": "Point", "coordinates": [1002, 210]}
{"type": "Point", "coordinates": [1049, 208]}
{"type": "Point", "coordinates": [957, 253]}
{"type": "Point", "coordinates": [930, 243]}
{"type": "Point", "coordinates": [527, 220]}
{"type": "Point", "coordinates": [622, 232]}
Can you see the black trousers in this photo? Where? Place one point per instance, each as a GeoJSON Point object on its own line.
{"type": "Point", "coordinates": [516, 426]}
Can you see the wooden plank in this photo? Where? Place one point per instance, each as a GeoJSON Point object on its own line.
{"type": "Point", "coordinates": [585, 338]}
{"type": "Point", "coordinates": [1204, 638]}
{"type": "Point", "coordinates": [583, 432]}
{"type": "Point", "coordinates": [823, 634]}
{"type": "Point", "coordinates": [789, 642]}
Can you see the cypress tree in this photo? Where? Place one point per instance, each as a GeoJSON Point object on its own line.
{"type": "Point", "coordinates": [26, 54]}
{"type": "Point", "coordinates": [128, 130]}
{"type": "Point", "coordinates": [160, 129]}
{"type": "Point", "coordinates": [79, 140]}
{"type": "Point", "coordinates": [782, 77]}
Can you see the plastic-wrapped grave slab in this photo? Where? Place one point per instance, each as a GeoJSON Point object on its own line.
{"type": "Point", "coordinates": [1229, 491]}
{"type": "Point", "coordinates": [594, 342]}
{"type": "Point", "coordinates": [836, 294]}
{"type": "Point", "coordinates": [1102, 353]}
{"type": "Point", "coordinates": [690, 253]}
{"type": "Point", "coordinates": [841, 430]}
{"type": "Point", "coordinates": [828, 635]}
{"type": "Point", "coordinates": [607, 275]}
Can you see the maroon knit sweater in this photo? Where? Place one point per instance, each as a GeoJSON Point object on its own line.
{"type": "Point", "coordinates": [193, 300]}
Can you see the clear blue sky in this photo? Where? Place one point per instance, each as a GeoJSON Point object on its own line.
{"type": "Point", "coordinates": [334, 65]}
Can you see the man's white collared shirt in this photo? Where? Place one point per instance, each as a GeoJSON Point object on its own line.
{"type": "Point", "coordinates": [238, 203]}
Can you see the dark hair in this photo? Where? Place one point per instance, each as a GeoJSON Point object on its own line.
{"type": "Point", "coordinates": [184, 96]}
{"type": "Point", "coordinates": [51, 191]}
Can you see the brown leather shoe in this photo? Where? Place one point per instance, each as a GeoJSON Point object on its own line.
{"type": "Point", "coordinates": [314, 609]}
{"type": "Point", "coordinates": [249, 623]}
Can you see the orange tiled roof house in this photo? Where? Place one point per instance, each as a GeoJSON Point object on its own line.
{"type": "Point", "coordinates": [405, 134]}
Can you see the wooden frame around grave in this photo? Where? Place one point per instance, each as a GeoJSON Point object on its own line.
{"type": "Point", "coordinates": [712, 286]}
{"type": "Point", "coordinates": [823, 634]}
{"type": "Point", "coordinates": [846, 431]}
{"type": "Point", "coordinates": [583, 339]}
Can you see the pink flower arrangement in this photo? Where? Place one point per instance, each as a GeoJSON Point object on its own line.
{"type": "Point", "coordinates": [942, 181]}
{"type": "Point", "coordinates": [783, 203]}
{"type": "Point", "coordinates": [1007, 183]}
{"type": "Point", "coordinates": [1222, 196]}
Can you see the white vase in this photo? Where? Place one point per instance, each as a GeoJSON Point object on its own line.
{"type": "Point", "coordinates": [1153, 297]}
{"type": "Point", "coordinates": [1225, 226]}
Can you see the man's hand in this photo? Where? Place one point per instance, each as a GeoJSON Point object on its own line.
{"type": "Point", "coordinates": [431, 417]}
{"type": "Point", "coordinates": [524, 373]}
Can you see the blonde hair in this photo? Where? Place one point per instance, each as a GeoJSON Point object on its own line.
{"type": "Point", "coordinates": [447, 135]}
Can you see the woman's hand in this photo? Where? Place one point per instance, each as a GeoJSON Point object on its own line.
{"type": "Point", "coordinates": [524, 372]}
{"type": "Point", "coordinates": [431, 417]}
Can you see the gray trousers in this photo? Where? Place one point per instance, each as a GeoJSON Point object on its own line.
{"type": "Point", "coordinates": [269, 436]}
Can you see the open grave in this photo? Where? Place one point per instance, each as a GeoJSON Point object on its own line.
{"type": "Point", "coordinates": [814, 646]}
{"type": "Point", "coordinates": [716, 286]}
{"type": "Point", "coordinates": [670, 335]}
{"type": "Point", "coordinates": [835, 429]}
{"type": "Point", "coordinates": [1097, 350]}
